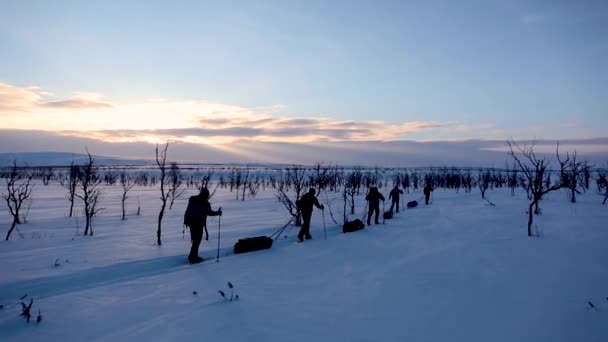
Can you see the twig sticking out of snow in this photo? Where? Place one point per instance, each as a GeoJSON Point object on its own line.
{"type": "Point", "coordinates": [26, 310]}
{"type": "Point", "coordinates": [232, 295]}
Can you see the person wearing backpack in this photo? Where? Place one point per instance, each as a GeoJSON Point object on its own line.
{"type": "Point", "coordinates": [427, 193]}
{"type": "Point", "coordinates": [394, 195]}
{"type": "Point", "coordinates": [196, 219]}
{"type": "Point", "coordinates": [305, 204]}
{"type": "Point", "coordinates": [373, 197]}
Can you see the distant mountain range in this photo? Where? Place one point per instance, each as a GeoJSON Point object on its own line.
{"type": "Point", "coordinates": [62, 159]}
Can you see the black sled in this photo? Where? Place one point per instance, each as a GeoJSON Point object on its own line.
{"type": "Point", "coordinates": [352, 226]}
{"type": "Point", "coordinates": [252, 244]}
{"type": "Point", "coordinates": [412, 204]}
{"type": "Point", "coordinates": [388, 215]}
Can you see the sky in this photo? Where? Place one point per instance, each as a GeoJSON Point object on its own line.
{"type": "Point", "coordinates": [341, 80]}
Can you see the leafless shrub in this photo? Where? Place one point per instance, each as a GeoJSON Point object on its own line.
{"type": "Point", "coordinates": [18, 190]}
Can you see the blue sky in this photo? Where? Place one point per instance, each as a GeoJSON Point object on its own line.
{"type": "Point", "coordinates": [494, 69]}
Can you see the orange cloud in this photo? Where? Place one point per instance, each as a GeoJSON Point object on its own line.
{"type": "Point", "coordinates": [87, 114]}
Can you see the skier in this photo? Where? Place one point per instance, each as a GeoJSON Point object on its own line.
{"type": "Point", "coordinates": [394, 195]}
{"type": "Point", "coordinates": [305, 204]}
{"type": "Point", "coordinates": [373, 197]}
{"type": "Point", "coordinates": [196, 218]}
{"type": "Point", "coordinates": [427, 193]}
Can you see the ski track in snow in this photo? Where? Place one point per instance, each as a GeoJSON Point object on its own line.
{"type": "Point", "coordinates": [457, 269]}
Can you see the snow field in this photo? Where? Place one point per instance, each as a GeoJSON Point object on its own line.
{"type": "Point", "coordinates": [457, 270]}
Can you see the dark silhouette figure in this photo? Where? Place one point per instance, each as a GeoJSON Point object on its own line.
{"type": "Point", "coordinates": [373, 198]}
{"type": "Point", "coordinates": [394, 195]}
{"type": "Point", "coordinates": [305, 204]}
{"type": "Point", "coordinates": [196, 218]}
{"type": "Point", "coordinates": [427, 193]}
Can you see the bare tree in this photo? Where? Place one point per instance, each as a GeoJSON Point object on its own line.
{"type": "Point", "coordinates": [89, 181]}
{"type": "Point", "coordinates": [244, 181]}
{"type": "Point", "coordinates": [18, 190]}
{"type": "Point", "coordinates": [352, 186]}
{"type": "Point", "coordinates": [405, 182]}
{"type": "Point", "coordinates": [534, 170]}
{"type": "Point", "coordinates": [254, 183]}
{"type": "Point", "coordinates": [127, 184]}
{"type": "Point", "coordinates": [571, 174]}
{"type": "Point", "coordinates": [321, 178]}
{"type": "Point", "coordinates": [236, 180]}
{"type": "Point", "coordinates": [586, 175]}
{"type": "Point", "coordinates": [175, 182]}
{"type": "Point", "coordinates": [513, 179]}
{"type": "Point", "coordinates": [483, 182]}
{"type": "Point", "coordinates": [161, 162]}
{"type": "Point", "coordinates": [206, 179]}
{"type": "Point", "coordinates": [110, 177]}
{"type": "Point", "coordinates": [71, 183]}
{"type": "Point", "coordinates": [602, 183]}
{"type": "Point", "coordinates": [294, 178]}
{"type": "Point", "coordinates": [46, 175]}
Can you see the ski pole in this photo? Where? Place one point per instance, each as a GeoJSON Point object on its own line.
{"type": "Point", "coordinates": [219, 232]}
{"type": "Point", "coordinates": [324, 230]}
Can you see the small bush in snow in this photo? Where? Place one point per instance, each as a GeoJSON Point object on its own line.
{"type": "Point", "coordinates": [26, 310]}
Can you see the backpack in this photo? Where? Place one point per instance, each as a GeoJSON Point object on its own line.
{"type": "Point", "coordinates": [194, 212]}
{"type": "Point", "coordinates": [301, 204]}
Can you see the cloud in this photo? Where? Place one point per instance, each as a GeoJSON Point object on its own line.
{"type": "Point", "coordinates": [32, 99]}
{"type": "Point", "coordinates": [87, 114]}
{"type": "Point", "coordinates": [270, 130]}
{"type": "Point", "coordinates": [15, 99]}
{"type": "Point", "coordinates": [78, 100]}
{"type": "Point", "coordinates": [368, 153]}
{"type": "Point", "coordinates": [216, 124]}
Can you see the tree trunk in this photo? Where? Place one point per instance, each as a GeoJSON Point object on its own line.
{"type": "Point", "coordinates": [573, 196]}
{"type": "Point", "coordinates": [71, 206]}
{"type": "Point", "coordinates": [160, 219]}
{"type": "Point", "coordinates": [530, 218]}
{"type": "Point", "coordinates": [8, 235]}
{"type": "Point", "coordinates": [123, 209]}
{"type": "Point", "coordinates": [87, 222]}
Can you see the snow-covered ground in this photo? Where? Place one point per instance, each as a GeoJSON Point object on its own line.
{"type": "Point", "coordinates": [456, 270]}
